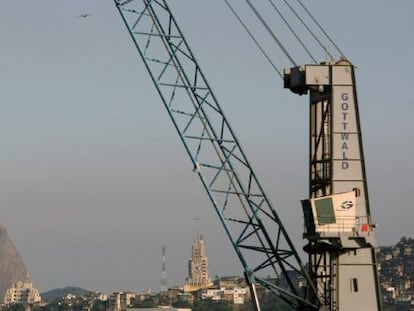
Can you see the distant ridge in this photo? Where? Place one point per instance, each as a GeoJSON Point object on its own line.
{"type": "Point", "coordinates": [58, 293]}
{"type": "Point", "coordinates": [12, 268]}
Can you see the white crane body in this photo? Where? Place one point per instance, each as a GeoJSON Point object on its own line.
{"type": "Point", "coordinates": [337, 216]}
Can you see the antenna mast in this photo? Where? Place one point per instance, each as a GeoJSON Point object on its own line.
{"type": "Point", "coordinates": [164, 271]}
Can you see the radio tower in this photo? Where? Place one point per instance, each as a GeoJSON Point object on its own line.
{"type": "Point", "coordinates": [164, 272]}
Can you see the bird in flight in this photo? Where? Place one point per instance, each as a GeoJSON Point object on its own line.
{"type": "Point", "coordinates": [85, 15]}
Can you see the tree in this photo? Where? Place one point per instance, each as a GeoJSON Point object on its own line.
{"type": "Point", "coordinates": [181, 304]}
{"type": "Point", "coordinates": [15, 307]}
{"type": "Point", "coordinates": [99, 305]}
{"type": "Point", "coordinates": [146, 303]}
{"type": "Point", "coordinates": [210, 305]}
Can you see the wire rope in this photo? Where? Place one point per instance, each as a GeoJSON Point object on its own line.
{"type": "Point", "coordinates": [308, 29]}
{"type": "Point", "coordinates": [254, 39]}
{"type": "Point", "coordinates": [272, 34]}
{"type": "Point", "coordinates": [321, 28]}
{"type": "Point", "coordinates": [292, 31]}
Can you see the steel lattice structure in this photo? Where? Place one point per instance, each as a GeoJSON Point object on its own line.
{"type": "Point", "coordinates": [251, 223]}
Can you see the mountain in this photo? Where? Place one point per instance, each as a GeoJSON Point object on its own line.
{"type": "Point", "coordinates": [12, 268]}
{"type": "Point", "coordinates": [61, 292]}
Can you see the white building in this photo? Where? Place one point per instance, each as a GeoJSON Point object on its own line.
{"type": "Point", "coordinates": [119, 301]}
{"type": "Point", "coordinates": [235, 295]}
{"type": "Point", "coordinates": [22, 292]}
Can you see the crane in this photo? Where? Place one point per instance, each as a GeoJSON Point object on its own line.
{"type": "Point", "coordinates": [341, 242]}
{"type": "Point", "coordinates": [250, 221]}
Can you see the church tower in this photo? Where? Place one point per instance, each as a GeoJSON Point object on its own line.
{"type": "Point", "coordinates": [198, 277]}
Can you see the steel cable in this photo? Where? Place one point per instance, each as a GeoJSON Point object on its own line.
{"type": "Point", "coordinates": [295, 34]}
{"type": "Point", "coordinates": [321, 28]}
{"type": "Point", "coordinates": [293, 31]}
{"type": "Point", "coordinates": [254, 39]}
{"type": "Point", "coordinates": [308, 29]}
{"type": "Point", "coordinates": [272, 34]}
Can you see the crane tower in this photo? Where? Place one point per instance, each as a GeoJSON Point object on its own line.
{"type": "Point", "coordinates": [341, 243]}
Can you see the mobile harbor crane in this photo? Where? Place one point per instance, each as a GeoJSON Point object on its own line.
{"type": "Point", "coordinates": [342, 272]}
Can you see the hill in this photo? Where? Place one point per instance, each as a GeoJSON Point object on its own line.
{"type": "Point", "coordinates": [58, 293]}
{"type": "Point", "coordinates": [12, 268]}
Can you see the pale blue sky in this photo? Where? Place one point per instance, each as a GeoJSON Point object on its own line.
{"type": "Point", "coordinates": [94, 179]}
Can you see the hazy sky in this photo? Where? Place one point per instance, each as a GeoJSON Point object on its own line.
{"type": "Point", "coordinates": [94, 180]}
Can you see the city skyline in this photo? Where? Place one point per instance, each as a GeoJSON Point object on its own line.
{"type": "Point", "coordinates": [94, 178]}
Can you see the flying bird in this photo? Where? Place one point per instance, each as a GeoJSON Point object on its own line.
{"type": "Point", "coordinates": [85, 15]}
